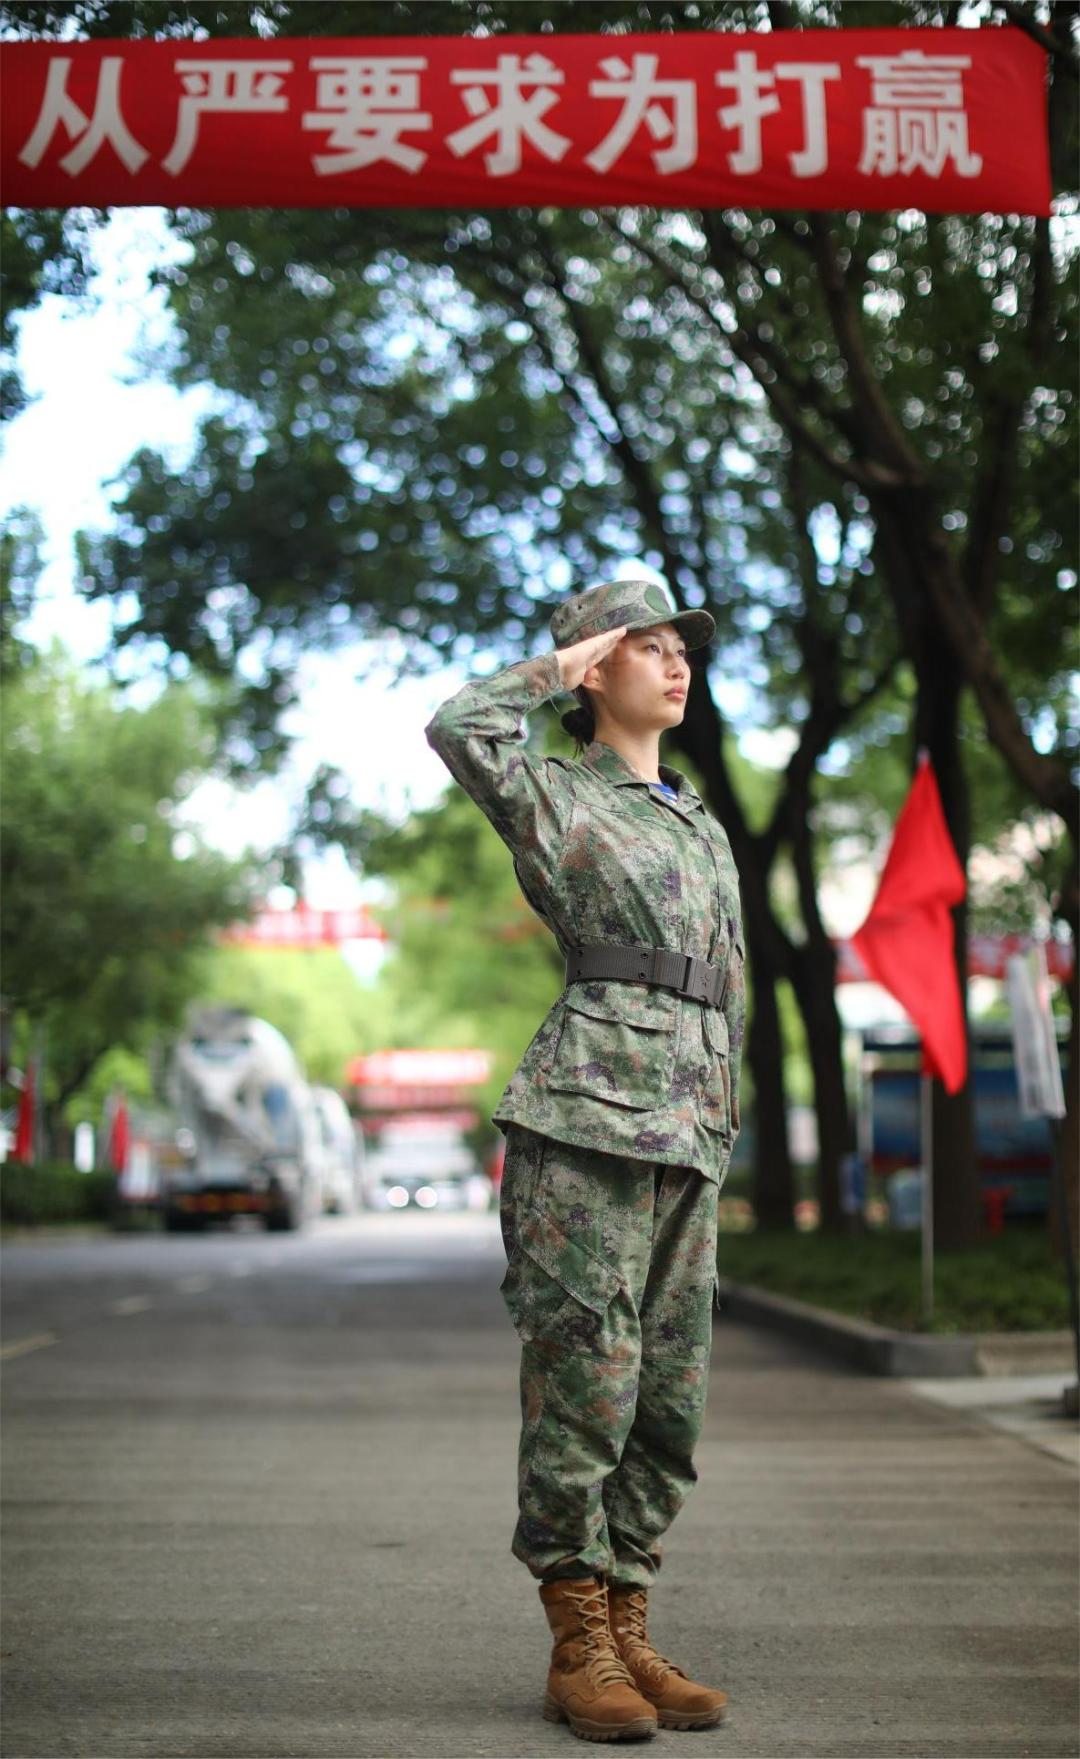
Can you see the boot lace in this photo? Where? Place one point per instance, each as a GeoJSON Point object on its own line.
{"type": "Point", "coordinates": [631, 1610]}
{"type": "Point", "coordinates": [603, 1662]}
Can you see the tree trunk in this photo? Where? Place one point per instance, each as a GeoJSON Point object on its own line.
{"type": "Point", "coordinates": [1068, 1139]}
{"type": "Point", "coordinates": [957, 1215]}
{"type": "Point", "coordinates": [773, 1188]}
{"type": "Point", "coordinates": [814, 981]}
{"type": "Point", "coordinates": [1069, 1142]}
{"type": "Point", "coordinates": [957, 1211]}
{"type": "Point", "coordinates": [59, 1138]}
{"type": "Point", "coordinates": [774, 1184]}
{"type": "Point", "coordinates": [905, 533]}
{"type": "Point", "coordinates": [813, 978]}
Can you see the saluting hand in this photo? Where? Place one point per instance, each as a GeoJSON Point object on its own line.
{"type": "Point", "coordinates": [575, 661]}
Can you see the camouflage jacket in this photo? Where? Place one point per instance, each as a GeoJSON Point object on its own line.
{"type": "Point", "coordinates": [623, 1066]}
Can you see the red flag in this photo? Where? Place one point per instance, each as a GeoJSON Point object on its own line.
{"type": "Point", "coordinates": [119, 1135]}
{"type": "Point", "coordinates": [906, 942]}
{"type": "Point", "coordinates": [24, 1126]}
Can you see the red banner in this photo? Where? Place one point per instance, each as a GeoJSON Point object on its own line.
{"type": "Point", "coordinates": [420, 1068]}
{"type": "Point", "coordinates": [944, 120]}
{"type": "Point", "coordinates": [987, 956]}
{"type": "Point", "coordinates": [305, 927]}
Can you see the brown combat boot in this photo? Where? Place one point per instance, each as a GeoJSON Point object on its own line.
{"type": "Point", "coordinates": [588, 1686]}
{"type": "Point", "coordinates": [679, 1701]}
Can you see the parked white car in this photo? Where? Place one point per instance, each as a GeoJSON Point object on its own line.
{"type": "Point", "coordinates": [424, 1164]}
{"type": "Point", "coordinates": [338, 1153]}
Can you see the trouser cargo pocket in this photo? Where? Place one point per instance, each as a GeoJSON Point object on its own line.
{"type": "Point", "coordinates": [556, 1286]}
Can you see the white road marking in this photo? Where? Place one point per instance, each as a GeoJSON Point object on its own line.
{"type": "Point", "coordinates": [129, 1304]}
{"type": "Point", "coordinates": [20, 1347]}
{"type": "Point", "coordinates": [192, 1285]}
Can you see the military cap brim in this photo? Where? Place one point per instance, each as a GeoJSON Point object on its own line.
{"type": "Point", "coordinates": [639, 604]}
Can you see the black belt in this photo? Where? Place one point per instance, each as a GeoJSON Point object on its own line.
{"type": "Point", "coordinates": [683, 972]}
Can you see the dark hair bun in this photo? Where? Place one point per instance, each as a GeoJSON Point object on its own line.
{"type": "Point", "coordinates": [579, 724]}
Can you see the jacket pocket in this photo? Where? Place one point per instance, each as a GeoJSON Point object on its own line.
{"type": "Point", "coordinates": [716, 1091]}
{"type": "Point", "coordinates": [556, 1286]}
{"type": "Point", "coordinates": [617, 1043]}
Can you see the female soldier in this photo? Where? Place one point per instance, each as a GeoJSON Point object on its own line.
{"type": "Point", "coordinates": [619, 1123]}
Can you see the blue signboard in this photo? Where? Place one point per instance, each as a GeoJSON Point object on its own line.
{"type": "Point", "coordinates": [1011, 1149]}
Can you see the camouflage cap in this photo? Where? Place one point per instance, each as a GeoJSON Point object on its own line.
{"type": "Point", "coordinates": [637, 603]}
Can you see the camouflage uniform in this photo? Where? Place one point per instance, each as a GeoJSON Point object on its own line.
{"type": "Point", "coordinates": [619, 1120]}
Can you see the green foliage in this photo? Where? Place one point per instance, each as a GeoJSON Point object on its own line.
{"type": "Point", "coordinates": [41, 251]}
{"type": "Point", "coordinates": [497, 403]}
{"type": "Point", "coordinates": [53, 1192]}
{"type": "Point", "coordinates": [20, 567]}
{"type": "Point", "coordinates": [473, 966]}
{"type": "Point", "coordinates": [440, 419]}
{"type": "Point", "coordinates": [312, 997]}
{"type": "Point", "coordinates": [117, 1068]}
{"type": "Point", "coordinates": [1020, 855]}
{"type": "Point", "coordinates": [1010, 1282]}
{"type": "Point", "coordinates": [104, 915]}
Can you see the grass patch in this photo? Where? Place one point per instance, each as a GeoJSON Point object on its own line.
{"type": "Point", "coordinates": [1009, 1283]}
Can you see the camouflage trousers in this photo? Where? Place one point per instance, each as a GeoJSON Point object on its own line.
{"type": "Point", "coordinates": [610, 1283]}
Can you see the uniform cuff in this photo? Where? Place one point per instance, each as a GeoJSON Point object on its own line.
{"type": "Point", "coordinates": [545, 678]}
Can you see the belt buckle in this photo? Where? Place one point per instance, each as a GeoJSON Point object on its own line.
{"type": "Point", "coordinates": [702, 980]}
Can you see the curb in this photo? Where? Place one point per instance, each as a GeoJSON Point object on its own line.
{"type": "Point", "coordinates": [20, 1234]}
{"type": "Point", "coordinates": [876, 1350]}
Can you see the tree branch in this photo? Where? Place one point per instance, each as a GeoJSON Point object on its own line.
{"type": "Point", "coordinates": [883, 430]}
{"type": "Point", "coordinates": [748, 347]}
{"type": "Point", "coordinates": [1022, 19]}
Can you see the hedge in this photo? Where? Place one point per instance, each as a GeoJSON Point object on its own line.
{"type": "Point", "coordinates": [54, 1191]}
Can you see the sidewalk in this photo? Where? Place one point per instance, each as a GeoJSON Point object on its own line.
{"type": "Point", "coordinates": [1028, 1406]}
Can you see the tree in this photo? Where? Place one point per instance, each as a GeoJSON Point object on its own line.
{"type": "Point", "coordinates": [20, 569]}
{"type": "Point", "coordinates": [310, 995]}
{"type": "Point", "coordinates": [706, 391]}
{"type": "Point", "coordinates": [41, 251]}
{"type": "Point", "coordinates": [106, 910]}
{"type": "Point", "coordinates": [472, 965]}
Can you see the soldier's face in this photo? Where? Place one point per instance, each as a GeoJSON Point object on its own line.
{"type": "Point", "coordinates": [635, 680]}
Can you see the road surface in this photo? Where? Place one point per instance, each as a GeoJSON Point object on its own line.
{"type": "Point", "coordinates": [260, 1492]}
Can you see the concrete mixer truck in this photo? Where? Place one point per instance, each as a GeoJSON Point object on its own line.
{"type": "Point", "coordinates": [247, 1125]}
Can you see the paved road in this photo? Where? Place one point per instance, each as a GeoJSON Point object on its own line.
{"type": "Point", "coordinates": [260, 1495]}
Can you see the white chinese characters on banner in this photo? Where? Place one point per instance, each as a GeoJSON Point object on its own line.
{"type": "Point", "coordinates": [756, 98]}
{"type": "Point", "coordinates": [367, 103]}
{"type": "Point", "coordinates": [58, 110]}
{"type": "Point", "coordinates": [916, 121]}
{"type": "Point", "coordinates": [511, 116]}
{"type": "Point", "coordinates": [642, 96]}
{"type": "Point", "coordinates": [212, 84]}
